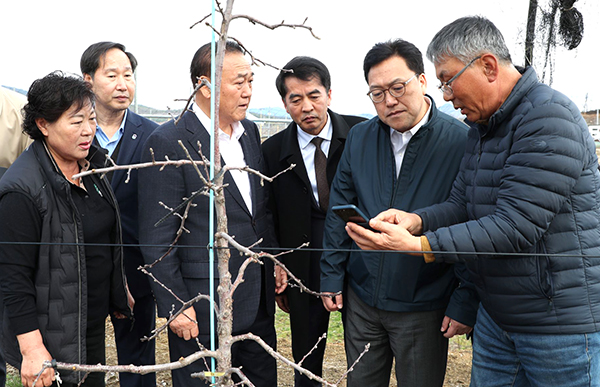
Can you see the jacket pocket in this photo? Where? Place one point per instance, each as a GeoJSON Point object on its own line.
{"type": "Point", "coordinates": [544, 274]}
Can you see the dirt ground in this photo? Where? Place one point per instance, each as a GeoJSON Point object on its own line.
{"type": "Point", "coordinates": [457, 372]}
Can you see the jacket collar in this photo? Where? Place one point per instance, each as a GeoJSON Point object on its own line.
{"type": "Point", "coordinates": [96, 157]}
{"type": "Point", "coordinates": [131, 139]}
{"type": "Point", "coordinates": [527, 81]}
{"type": "Point", "coordinates": [289, 143]}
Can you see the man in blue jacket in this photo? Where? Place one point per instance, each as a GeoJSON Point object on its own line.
{"type": "Point", "coordinates": [405, 158]}
{"type": "Point", "coordinates": [524, 214]}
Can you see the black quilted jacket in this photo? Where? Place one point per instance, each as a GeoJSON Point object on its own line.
{"type": "Point", "coordinates": [60, 278]}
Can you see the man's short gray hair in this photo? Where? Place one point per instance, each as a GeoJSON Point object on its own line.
{"type": "Point", "coordinates": [465, 39]}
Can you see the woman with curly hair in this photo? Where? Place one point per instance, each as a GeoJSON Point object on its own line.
{"type": "Point", "coordinates": [61, 269]}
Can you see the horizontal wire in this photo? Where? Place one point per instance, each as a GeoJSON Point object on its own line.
{"type": "Point", "coordinates": [277, 250]}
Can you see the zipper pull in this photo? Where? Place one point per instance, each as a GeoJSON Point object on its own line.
{"type": "Point", "coordinates": [98, 190]}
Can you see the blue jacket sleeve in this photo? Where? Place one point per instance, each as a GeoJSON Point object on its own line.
{"type": "Point", "coordinates": [547, 156]}
{"type": "Point", "coordinates": [464, 301]}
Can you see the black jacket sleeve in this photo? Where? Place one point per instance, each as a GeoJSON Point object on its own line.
{"type": "Point", "coordinates": [20, 224]}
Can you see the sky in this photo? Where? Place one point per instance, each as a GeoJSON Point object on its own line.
{"type": "Point", "coordinates": [40, 36]}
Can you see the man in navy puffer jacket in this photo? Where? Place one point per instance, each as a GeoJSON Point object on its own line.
{"type": "Point", "coordinates": [523, 214]}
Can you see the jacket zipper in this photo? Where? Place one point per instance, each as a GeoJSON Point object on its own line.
{"type": "Point", "coordinates": [119, 240]}
{"type": "Point", "coordinates": [382, 255]}
{"type": "Point", "coordinates": [545, 274]}
{"type": "Point", "coordinates": [80, 286]}
{"type": "Point", "coordinates": [478, 260]}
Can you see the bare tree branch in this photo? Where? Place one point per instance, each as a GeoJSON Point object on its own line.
{"type": "Point", "coordinates": [323, 337]}
{"type": "Point", "coordinates": [200, 21]}
{"type": "Point", "coordinates": [255, 60]}
{"type": "Point", "coordinates": [257, 173]}
{"type": "Point", "coordinates": [283, 359]}
{"type": "Point", "coordinates": [176, 163]}
{"type": "Point", "coordinates": [256, 257]}
{"type": "Point", "coordinates": [202, 354]}
{"type": "Point", "coordinates": [275, 26]}
{"type": "Point", "coordinates": [209, 375]}
{"type": "Point", "coordinates": [181, 310]}
{"type": "Point", "coordinates": [142, 370]}
{"type": "Point", "coordinates": [177, 236]}
{"type": "Point", "coordinates": [203, 82]}
{"type": "Point", "coordinates": [355, 363]}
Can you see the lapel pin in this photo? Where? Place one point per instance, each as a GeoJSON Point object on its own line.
{"type": "Point", "coordinates": [134, 136]}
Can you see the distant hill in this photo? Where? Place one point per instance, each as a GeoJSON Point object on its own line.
{"type": "Point", "coordinates": [280, 113]}
{"type": "Point", "coordinates": [146, 110]}
{"type": "Point", "coordinates": [20, 91]}
{"type": "Point", "coordinates": [270, 112]}
{"type": "Point", "coordinates": [368, 116]}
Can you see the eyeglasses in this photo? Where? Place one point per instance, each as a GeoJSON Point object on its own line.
{"type": "Point", "coordinates": [445, 87]}
{"type": "Point", "coordinates": [397, 90]}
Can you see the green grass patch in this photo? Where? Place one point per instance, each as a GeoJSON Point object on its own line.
{"type": "Point", "coordinates": [282, 324]}
{"type": "Point", "coordinates": [13, 380]}
{"type": "Point", "coordinates": [335, 333]}
{"type": "Point", "coordinates": [461, 342]}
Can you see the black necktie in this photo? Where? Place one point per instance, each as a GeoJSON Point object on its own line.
{"type": "Point", "coordinates": [321, 173]}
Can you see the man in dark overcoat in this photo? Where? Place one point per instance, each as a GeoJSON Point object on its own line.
{"type": "Point", "coordinates": [298, 210]}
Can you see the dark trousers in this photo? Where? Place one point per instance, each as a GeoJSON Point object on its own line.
{"type": "Point", "coordinates": [130, 348]}
{"type": "Point", "coordinates": [308, 319]}
{"type": "Point", "coordinates": [307, 326]}
{"type": "Point", "coordinates": [412, 338]}
{"type": "Point", "coordinates": [256, 363]}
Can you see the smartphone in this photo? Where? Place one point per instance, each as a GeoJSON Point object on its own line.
{"type": "Point", "coordinates": [351, 213]}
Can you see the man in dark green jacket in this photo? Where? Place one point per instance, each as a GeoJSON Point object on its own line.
{"type": "Point", "coordinates": [405, 158]}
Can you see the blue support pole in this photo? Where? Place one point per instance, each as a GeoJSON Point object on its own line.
{"type": "Point", "coordinates": [211, 206]}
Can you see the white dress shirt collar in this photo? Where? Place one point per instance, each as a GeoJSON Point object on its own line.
{"type": "Point", "coordinates": [304, 138]}
{"type": "Point", "coordinates": [308, 151]}
{"type": "Point", "coordinates": [232, 153]}
{"type": "Point", "coordinates": [400, 140]}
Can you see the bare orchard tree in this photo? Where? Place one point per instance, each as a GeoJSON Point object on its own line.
{"type": "Point", "coordinates": [227, 285]}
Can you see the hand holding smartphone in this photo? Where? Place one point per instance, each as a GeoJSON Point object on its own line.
{"type": "Point", "coordinates": [351, 213]}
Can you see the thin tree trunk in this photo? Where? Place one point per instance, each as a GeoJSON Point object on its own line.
{"type": "Point", "coordinates": [225, 317]}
